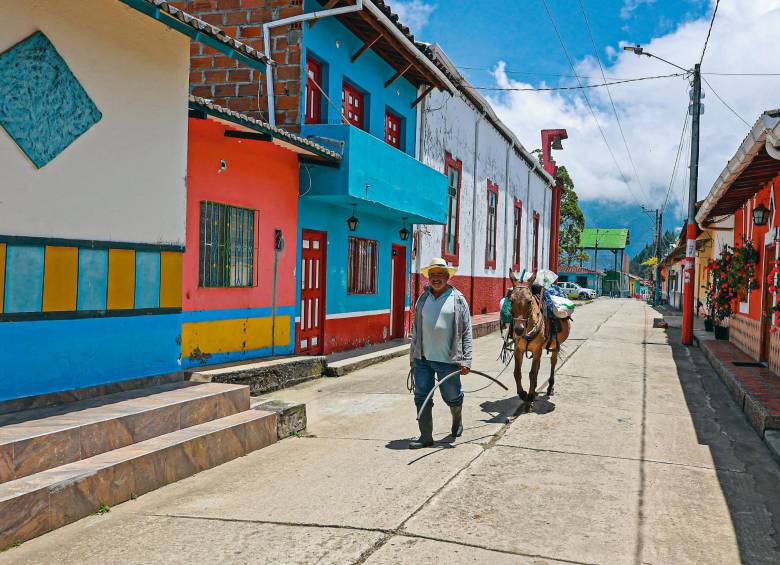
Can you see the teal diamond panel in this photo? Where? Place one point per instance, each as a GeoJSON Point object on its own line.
{"type": "Point", "coordinates": [43, 107]}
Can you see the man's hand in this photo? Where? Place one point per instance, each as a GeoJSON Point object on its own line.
{"type": "Point", "coordinates": [465, 370]}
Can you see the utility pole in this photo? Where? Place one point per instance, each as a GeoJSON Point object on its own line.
{"type": "Point", "coordinates": [657, 245]}
{"type": "Point", "coordinates": [658, 237]}
{"type": "Point", "coordinates": [690, 230]}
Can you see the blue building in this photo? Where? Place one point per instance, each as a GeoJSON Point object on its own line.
{"type": "Point", "coordinates": [380, 185]}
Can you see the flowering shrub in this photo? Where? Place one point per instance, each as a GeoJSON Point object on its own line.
{"type": "Point", "coordinates": [731, 276]}
{"type": "Point", "coordinates": [774, 311]}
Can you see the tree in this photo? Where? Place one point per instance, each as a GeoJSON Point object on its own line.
{"type": "Point", "coordinates": [640, 263]}
{"type": "Point", "coordinates": [572, 220]}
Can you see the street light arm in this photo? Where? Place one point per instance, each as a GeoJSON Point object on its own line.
{"type": "Point", "coordinates": [639, 50]}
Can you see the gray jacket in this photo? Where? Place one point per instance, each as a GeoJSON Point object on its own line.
{"type": "Point", "coordinates": [460, 353]}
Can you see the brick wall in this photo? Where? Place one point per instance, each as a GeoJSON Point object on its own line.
{"type": "Point", "coordinates": [239, 87]}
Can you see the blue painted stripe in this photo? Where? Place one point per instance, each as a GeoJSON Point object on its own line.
{"type": "Point", "coordinates": [147, 279]}
{"type": "Point", "coordinates": [93, 279]}
{"type": "Point", "coordinates": [50, 356]}
{"type": "Point", "coordinates": [234, 313]}
{"type": "Point", "coordinates": [23, 279]}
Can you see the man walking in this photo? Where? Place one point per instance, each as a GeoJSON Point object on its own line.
{"type": "Point", "coordinates": [441, 344]}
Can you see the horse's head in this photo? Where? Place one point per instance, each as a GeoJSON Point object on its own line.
{"type": "Point", "coordinates": [522, 301]}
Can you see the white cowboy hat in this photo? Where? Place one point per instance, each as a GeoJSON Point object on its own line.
{"type": "Point", "coordinates": [438, 263]}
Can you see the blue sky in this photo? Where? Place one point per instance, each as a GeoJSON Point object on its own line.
{"type": "Point", "coordinates": [504, 41]}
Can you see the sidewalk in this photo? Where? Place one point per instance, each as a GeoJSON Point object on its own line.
{"type": "Point", "coordinates": [755, 389]}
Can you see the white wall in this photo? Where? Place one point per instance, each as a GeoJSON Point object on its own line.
{"type": "Point", "coordinates": [124, 179]}
{"type": "Point", "coordinates": [450, 123]}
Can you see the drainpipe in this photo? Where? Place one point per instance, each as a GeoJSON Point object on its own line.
{"type": "Point", "coordinates": [474, 212]}
{"type": "Point", "coordinates": [269, 75]}
{"type": "Point", "coordinates": [508, 233]}
{"type": "Point", "coordinates": [529, 217]}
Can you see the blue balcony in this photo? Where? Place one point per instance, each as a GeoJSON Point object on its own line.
{"type": "Point", "coordinates": [378, 178]}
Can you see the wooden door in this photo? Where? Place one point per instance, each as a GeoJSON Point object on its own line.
{"type": "Point", "coordinates": [313, 94]}
{"type": "Point", "coordinates": [766, 301]}
{"type": "Point", "coordinates": [398, 291]}
{"type": "Point", "coordinates": [352, 101]}
{"type": "Point", "coordinates": [313, 276]}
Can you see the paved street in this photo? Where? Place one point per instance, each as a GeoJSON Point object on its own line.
{"type": "Point", "coordinates": [639, 457]}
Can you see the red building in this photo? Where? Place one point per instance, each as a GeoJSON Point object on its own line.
{"type": "Point", "coordinates": [748, 189]}
{"type": "Point", "coordinates": [239, 265]}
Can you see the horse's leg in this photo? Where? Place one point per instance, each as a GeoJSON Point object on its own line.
{"type": "Point", "coordinates": [533, 374]}
{"type": "Point", "coordinates": [553, 362]}
{"type": "Point", "coordinates": [519, 373]}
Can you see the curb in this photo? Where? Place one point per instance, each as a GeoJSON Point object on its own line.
{"type": "Point", "coordinates": [351, 364]}
{"type": "Point", "coordinates": [755, 413]}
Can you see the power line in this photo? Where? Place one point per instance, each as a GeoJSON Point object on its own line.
{"type": "Point", "coordinates": [743, 74]}
{"type": "Point", "coordinates": [612, 103]}
{"type": "Point", "coordinates": [722, 101]}
{"type": "Point", "coordinates": [580, 87]}
{"type": "Point", "coordinates": [587, 77]}
{"type": "Point", "coordinates": [676, 161]}
{"type": "Point", "coordinates": [587, 101]}
{"type": "Point", "coordinates": [709, 31]}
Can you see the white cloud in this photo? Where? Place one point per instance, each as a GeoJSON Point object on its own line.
{"type": "Point", "coordinates": [630, 5]}
{"type": "Point", "coordinates": [413, 13]}
{"type": "Point", "coordinates": [652, 112]}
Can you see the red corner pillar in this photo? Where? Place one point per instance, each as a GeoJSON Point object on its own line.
{"type": "Point", "coordinates": [551, 139]}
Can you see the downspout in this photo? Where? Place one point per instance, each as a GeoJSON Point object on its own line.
{"type": "Point", "coordinates": [508, 233]}
{"type": "Point", "coordinates": [529, 218]}
{"type": "Point", "coordinates": [418, 231]}
{"type": "Point", "coordinates": [474, 213]}
{"type": "Point", "coordinates": [316, 15]}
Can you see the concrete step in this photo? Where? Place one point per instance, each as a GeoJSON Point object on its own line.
{"type": "Point", "coordinates": [263, 376]}
{"type": "Point", "coordinates": [37, 440]}
{"type": "Point", "coordinates": [350, 364]}
{"type": "Point", "coordinates": [47, 500]}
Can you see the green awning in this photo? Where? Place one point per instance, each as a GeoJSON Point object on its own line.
{"type": "Point", "coordinates": [604, 238]}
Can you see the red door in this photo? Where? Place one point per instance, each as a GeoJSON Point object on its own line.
{"type": "Point", "coordinates": [398, 295]}
{"type": "Point", "coordinates": [313, 94]}
{"type": "Point", "coordinates": [352, 102]}
{"type": "Point", "coordinates": [393, 130]}
{"type": "Point", "coordinates": [312, 322]}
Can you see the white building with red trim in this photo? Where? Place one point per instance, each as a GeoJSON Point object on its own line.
{"type": "Point", "coordinates": [501, 199]}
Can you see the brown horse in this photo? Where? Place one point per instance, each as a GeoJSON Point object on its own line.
{"type": "Point", "coordinates": [531, 334]}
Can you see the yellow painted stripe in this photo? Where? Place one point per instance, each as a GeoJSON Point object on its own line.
{"type": "Point", "coordinates": [228, 336]}
{"type": "Point", "coordinates": [170, 279]}
{"type": "Point", "coordinates": [121, 279]}
{"type": "Point", "coordinates": [60, 278]}
{"type": "Point", "coordinates": [2, 275]}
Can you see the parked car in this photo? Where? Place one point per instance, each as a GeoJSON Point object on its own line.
{"type": "Point", "coordinates": [573, 290]}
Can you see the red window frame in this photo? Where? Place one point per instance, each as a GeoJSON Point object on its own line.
{"type": "Point", "coordinates": [535, 264]}
{"type": "Point", "coordinates": [313, 94]}
{"type": "Point", "coordinates": [361, 265]}
{"type": "Point", "coordinates": [353, 103]}
{"type": "Point", "coordinates": [453, 200]}
{"type": "Point", "coordinates": [491, 236]}
{"type": "Point", "coordinates": [517, 232]}
{"type": "Point", "coordinates": [393, 129]}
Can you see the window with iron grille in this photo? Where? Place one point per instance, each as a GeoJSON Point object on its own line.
{"type": "Point", "coordinates": [361, 270]}
{"type": "Point", "coordinates": [492, 213]}
{"type": "Point", "coordinates": [227, 246]}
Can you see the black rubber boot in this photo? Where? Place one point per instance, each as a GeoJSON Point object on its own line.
{"type": "Point", "coordinates": [457, 420]}
{"type": "Point", "coordinates": [426, 429]}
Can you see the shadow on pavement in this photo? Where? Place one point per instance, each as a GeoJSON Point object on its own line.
{"type": "Point", "coordinates": [747, 474]}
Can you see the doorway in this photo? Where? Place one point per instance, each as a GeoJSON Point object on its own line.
{"type": "Point", "coordinates": [398, 292]}
{"type": "Point", "coordinates": [313, 276]}
{"type": "Point", "coordinates": [766, 302]}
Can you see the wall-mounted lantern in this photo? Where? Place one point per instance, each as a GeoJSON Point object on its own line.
{"type": "Point", "coordinates": [352, 221]}
{"type": "Point", "coordinates": [403, 233]}
{"type": "Point", "coordinates": [760, 215]}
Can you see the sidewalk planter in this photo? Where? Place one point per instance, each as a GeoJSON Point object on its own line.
{"type": "Point", "coordinates": [708, 325]}
{"type": "Point", "coordinates": [721, 332]}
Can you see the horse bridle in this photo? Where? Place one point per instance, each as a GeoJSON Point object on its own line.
{"type": "Point", "coordinates": [529, 335]}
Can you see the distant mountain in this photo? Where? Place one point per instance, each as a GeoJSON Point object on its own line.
{"type": "Point", "coordinates": [603, 214]}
